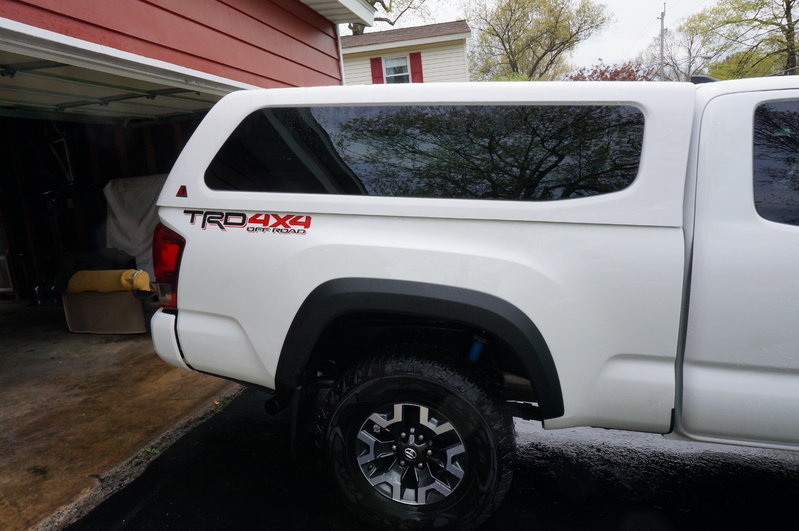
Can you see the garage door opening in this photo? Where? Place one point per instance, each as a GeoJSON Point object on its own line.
{"type": "Point", "coordinates": [79, 143]}
{"type": "Point", "coordinates": [68, 131]}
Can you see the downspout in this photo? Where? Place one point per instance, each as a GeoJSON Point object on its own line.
{"type": "Point", "coordinates": [340, 53]}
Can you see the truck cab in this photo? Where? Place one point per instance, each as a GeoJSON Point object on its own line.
{"type": "Point", "coordinates": [739, 371]}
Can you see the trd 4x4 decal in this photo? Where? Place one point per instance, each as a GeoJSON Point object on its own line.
{"type": "Point", "coordinates": [258, 222]}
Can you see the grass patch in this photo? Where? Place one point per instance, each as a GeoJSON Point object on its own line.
{"type": "Point", "coordinates": [219, 405]}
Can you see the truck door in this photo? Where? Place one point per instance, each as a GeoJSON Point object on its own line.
{"type": "Point", "coordinates": [741, 367]}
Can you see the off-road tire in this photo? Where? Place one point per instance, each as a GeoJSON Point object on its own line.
{"type": "Point", "coordinates": [426, 379]}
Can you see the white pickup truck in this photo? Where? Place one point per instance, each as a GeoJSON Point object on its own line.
{"type": "Point", "coordinates": [445, 257]}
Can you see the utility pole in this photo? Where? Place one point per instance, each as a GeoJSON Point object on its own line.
{"type": "Point", "coordinates": [662, 19]}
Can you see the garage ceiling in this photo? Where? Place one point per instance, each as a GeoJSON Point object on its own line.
{"type": "Point", "coordinates": [31, 87]}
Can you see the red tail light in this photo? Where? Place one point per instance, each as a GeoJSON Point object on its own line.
{"type": "Point", "coordinates": [167, 252]}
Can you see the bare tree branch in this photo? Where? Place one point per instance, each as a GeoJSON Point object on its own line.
{"type": "Point", "coordinates": [530, 38]}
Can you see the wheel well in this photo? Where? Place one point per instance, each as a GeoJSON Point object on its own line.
{"type": "Point", "coordinates": [345, 319]}
{"type": "Point", "coordinates": [352, 337]}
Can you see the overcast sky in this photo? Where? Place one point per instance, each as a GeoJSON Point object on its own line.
{"type": "Point", "coordinates": [635, 25]}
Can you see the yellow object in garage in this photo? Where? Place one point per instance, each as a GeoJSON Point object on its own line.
{"type": "Point", "coordinates": [106, 281]}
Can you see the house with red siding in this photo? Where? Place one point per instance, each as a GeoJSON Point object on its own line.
{"type": "Point", "coordinates": [431, 53]}
{"type": "Point", "coordinates": [205, 46]}
{"type": "Point", "coordinates": [97, 90]}
{"type": "Point", "coordinates": [97, 99]}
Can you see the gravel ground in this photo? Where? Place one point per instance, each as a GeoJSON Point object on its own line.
{"type": "Point", "coordinates": [576, 478]}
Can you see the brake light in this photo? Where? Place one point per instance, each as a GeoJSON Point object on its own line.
{"type": "Point", "coordinates": [167, 252]}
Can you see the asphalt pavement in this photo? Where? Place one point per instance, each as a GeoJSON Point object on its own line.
{"type": "Point", "coordinates": [235, 471]}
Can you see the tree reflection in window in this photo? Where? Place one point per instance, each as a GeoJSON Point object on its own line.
{"type": "Point", "coordinates": [491, 152]}
{"type": "Point", "coordinates": [776, 161]}
{"type": "Point", "coordinates": [510, 152]}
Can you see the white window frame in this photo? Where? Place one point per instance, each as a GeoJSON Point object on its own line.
{"type": "Point", "coordinates": [407, 64]}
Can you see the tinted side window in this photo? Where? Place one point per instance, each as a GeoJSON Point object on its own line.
{"type": "Point", "coordinates": [776, 161]}
{"type": "Point", "coordinates": [512, 152]}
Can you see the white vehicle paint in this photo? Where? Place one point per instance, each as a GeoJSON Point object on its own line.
{"type": "Point", "coordinates": [741, 364]}
{"type": "Point", "coordinates": [668, 306]}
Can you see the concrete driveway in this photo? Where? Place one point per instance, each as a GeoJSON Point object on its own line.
{"type": "Point", "coordinates": [82, 415]}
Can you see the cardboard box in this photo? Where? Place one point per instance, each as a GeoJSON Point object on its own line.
{"type": "Point", "coordinates": [116, 312]}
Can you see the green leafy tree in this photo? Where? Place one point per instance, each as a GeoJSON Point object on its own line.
{"type": "Point", "coordinates": [530, 38]}
{"type": "Point", "coordinates": [746, 63]}
{"type": "Point", "coordinates": [753, 37]}
{"type": "Point", "coordinates": [389, 12]}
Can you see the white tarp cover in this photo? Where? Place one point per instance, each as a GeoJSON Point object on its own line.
{"type": "Point", "coordinates": [132, 216]}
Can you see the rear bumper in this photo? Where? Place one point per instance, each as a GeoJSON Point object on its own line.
{"type": "Point", "coordinates": [165, 339]}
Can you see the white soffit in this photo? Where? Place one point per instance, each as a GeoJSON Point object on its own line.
{"type": "Point", "coordinates": [30, 40]}
{"type": "Point", "coordinates": [343, 11]}
{"type": "Point", "coordinates": [52, 76]}
{"type": "Point", "coordinates": [34, 88]}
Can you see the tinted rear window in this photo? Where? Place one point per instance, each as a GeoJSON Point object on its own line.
{"type": "Point", "coordinates": [776, 161]}
{"type": "Point", "coordinates": [510, 152]}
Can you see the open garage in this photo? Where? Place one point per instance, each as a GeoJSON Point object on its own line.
{"type": "Point", "coordinates": [96, 101]}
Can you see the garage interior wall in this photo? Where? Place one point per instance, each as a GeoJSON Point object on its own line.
{"type": "Point", "coordinates": [69, 128]}
{"type": "Point", "coordinates": [52, 207]}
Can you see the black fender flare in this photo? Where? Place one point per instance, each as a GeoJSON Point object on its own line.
{"type": "Point", "coordinates": [339, 297]}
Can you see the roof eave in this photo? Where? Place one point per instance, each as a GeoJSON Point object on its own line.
{"type": "Point", "coordinates": [344, 11]}
{"type": "Point", "coordinates": [405, 43]}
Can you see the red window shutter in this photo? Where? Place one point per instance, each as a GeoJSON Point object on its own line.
{"type": "Point", "coordinates": [377, 70]}
{"type": "Point", "coordinates": [416, 67]}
